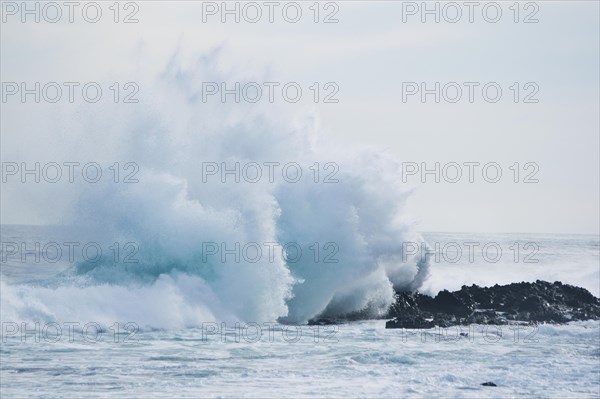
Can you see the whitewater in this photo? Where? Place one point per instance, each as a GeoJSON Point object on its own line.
{"type": "Point", "coordinates": [361, 359]}
{"type": "Point", "coordinates": [165, 324]}
{"type": "Point", "coordinates": [339, 201]}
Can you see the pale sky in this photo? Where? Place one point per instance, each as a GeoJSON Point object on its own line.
{"type": "Point", "coordinates": [369, 53]}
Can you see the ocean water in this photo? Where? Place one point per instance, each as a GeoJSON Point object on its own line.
{"type": "Point", "coordinates": [506, 258]}
{"type": "Point", "coordinates": [68, 328]}
{"type": "Point", "coordinates": [361, 360]}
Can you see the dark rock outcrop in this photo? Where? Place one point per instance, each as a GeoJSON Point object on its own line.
{"type": "Point", "coordinates": [531, 302]}
{"type": "Point", "coordinates": [322, 322]}
{"type": "Point", "coordinates": [489, 384]}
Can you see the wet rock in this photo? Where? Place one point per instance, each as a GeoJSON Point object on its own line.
{"type": "Point", "coordinates": [530, 302]}
{"type": "Point", "coordinates": [322, 322]}
{"type": "Point", "coordinates": [409, 322]}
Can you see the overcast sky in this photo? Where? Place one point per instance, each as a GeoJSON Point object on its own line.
{"type": "Point", "coordinates": [368, 54]}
